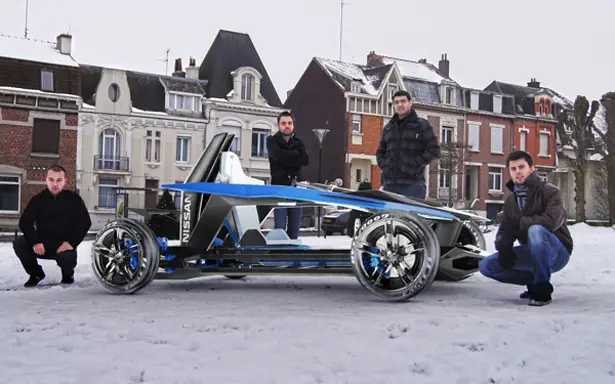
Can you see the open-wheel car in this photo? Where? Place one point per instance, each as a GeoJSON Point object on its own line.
{"type": "Point", "coordinates": [399, 245]}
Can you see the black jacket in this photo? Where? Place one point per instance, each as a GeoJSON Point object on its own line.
{"type": "Point", "coordinates": [57, 218]}
{"type": "Point", "coordinates": [406, 147]}
{"type": "Point", "coordinates": [544, 207]}
{"type": "Point", "coordinates": [286, 159]}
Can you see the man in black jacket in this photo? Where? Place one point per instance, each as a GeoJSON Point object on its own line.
{"type": "Point", "coordinates": [408, 143]}
{"type": "Point", "coordinates": [53, 224]}
{"type": "Point", "coordinates": [534, 215]}
{"type": "Point", "coordinates": [287, 156]}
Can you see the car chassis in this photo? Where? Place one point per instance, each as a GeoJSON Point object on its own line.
{"type": "Point", "coordinates": [399, 246]}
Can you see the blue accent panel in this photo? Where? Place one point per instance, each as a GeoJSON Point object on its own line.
{"type": "Point", "coordinates": [307, 263]}
{"type": "Point", "coordinates": [169, 270]}
{"type": "Point", "coordinates": [287, 193]}
{"type": "Point", "coordinates": [168, 257]}
{"type": "Point", "coordinates": [163, 243]}
{"type": "Point", "coordinates": [218, 241]}
{"type": "Point", "coordinates": [134, 262]}
{"type": "Point", "coordinates": [230, 232]}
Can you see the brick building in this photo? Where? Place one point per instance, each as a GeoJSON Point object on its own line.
{"type": "Point", "coordinates": [39, 106]}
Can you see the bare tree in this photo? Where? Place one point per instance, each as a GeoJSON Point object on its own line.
{"type": "Point", "coordinates": [600, 193]}
{"type": "Point", "coordinates": [604, 142]}
{"type": "Point", "coordinates": [580, 137]}
{"type": "Point", "coordinates": [452, 161]}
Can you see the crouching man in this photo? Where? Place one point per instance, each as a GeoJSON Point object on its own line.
{"type": "Point", "coordinates": [533, 214]}
{"type": "Point", "coordinates": [53, 224]}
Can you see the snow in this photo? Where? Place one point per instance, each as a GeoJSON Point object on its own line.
{"type": "Point", "coordinates": [327, 329]}
{"type": "Point", "coordinates": [414, 70]}
{"type": "Point", "coordinates": [34, 50]}
{"type": "Point", "coordinates": [36, 92]}
{"type": "Point", "coordinates": [351, 71]}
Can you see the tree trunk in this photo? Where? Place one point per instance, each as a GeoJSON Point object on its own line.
{"type": "Point", "coordinates": [608, 102]}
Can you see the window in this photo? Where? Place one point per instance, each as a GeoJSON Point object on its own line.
{"type": "Point", "coordinates": [356, 124]}
{"type": "Point", "coordinates": [497, 103]}
{"type": "Point", "coordinates": [544, 144]}
{"type": "Point", "coordinates": [46, 136]}
{"type": "Point", "coordinates": [235, 146]}
{"type": "Point", "coordinates": [184, 102]}
{"type": "Point", "coordinates": [523, 141]}
{"type": "Point", "coordinates": [355, 86]}
{"type": "Point", "coordinates": [47, 83]}
{"type": "Point", "coordinates": [495, 179]}
{"type": "Point", "coordinates": [446, 135]}
{"type": "Point", "coordinates": [541, 108]}
{"type": "Point", "coordinates": [497, 139]}
{"type": "Point", "coordinates": [358, 175]}
{"type": "Point", "coordinates": [106, 193]}
{"type": "Point", "coordinates": [474, 100]}
{"type": "Point", "coordinates": [9, 194]}
{"type": "Point", "coordinates": [259, 142]}
{"type": "Point", "coordinates": [385, 121]}
{"type": "Point", "coordinates": [177, 196]}
{"type": "Point", "coordinates": [152, 147]}
{"type": "Point", "coordinates": [449, 95]}
{"type": "Point", "coordinates": [247, 87]}
{"type": "Point", "coordinates": [392, 89]}
{"type": "Point", "coordinates": [444, 179]}
{"type": "Point", "coordinates": [474, 137]}
{"type": "Point", "coordinates": [182, 149]}
{"type": "Point", "coordinates": [547, 107]}
{"type": "Point", "coordinates": [114, 92]}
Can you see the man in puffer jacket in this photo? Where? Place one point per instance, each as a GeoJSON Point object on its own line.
{"type": "Point", "coordinates": [407, 145]}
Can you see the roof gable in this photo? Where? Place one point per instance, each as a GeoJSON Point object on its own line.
{"type": "Point", "coordinates": [45, 52]}
{"type": "Point", "coordinates": [416, 70]}
{"type": "Point", "coordinates": [230, 51]}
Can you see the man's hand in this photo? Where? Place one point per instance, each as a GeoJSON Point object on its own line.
{"type": "Point", "coordinates": [39, 249]}
{"type": "Point", "coordinates": [64, 247]}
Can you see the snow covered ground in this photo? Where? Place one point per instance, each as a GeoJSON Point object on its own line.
{"type": "Point", "coordinates": [310, 329]}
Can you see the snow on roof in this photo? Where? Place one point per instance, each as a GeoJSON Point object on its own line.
{"type": "Point", "coordinates": [34, 50]}
{"type": "Point", "coordinates": [415, 70]}
{"type": "Point", "coordinates": [351, 71]}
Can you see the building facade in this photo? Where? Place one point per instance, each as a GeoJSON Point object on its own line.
{"type": "Point", "coordinates": [39, 106]}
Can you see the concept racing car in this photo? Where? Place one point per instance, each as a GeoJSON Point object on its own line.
{"type": "Point", "coordinates": [398, 248]}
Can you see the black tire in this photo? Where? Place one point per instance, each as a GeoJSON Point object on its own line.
{"type": "Point", "coordinates": [235, 277]}
{"type": "Point", "coordinates": [423, 271]}
{"type": "Point", "coordinates": [109, 255]}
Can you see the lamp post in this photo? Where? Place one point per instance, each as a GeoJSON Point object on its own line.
{"type": "Point", "coordinates": [320, 134]}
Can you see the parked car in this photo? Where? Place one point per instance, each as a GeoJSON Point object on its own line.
{"type": "Point", "coordinates": [336, 221]}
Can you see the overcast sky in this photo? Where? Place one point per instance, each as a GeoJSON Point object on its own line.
{"type": "Point", "coordinates": [565, 44]}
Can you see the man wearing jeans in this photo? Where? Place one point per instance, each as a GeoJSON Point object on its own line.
{"type": "Point", "coordinates": [533, 214]}
{"type": "Point", "coordinates": [408, 143]}
{"type": "Point", "coordinates": [287, 156]}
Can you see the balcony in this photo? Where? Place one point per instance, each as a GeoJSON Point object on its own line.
{"type": "Point", "coordinates": [113, 164]}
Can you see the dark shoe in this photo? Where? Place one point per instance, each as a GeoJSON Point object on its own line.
{"type": "Point", "coordinates": [67, 279]}
{"type": "Point", "coordinates": [539, 302]}
{"type": "Point", "coordinates": [526, 295]}
{"type": "Point", "coordinates": [33, 281]}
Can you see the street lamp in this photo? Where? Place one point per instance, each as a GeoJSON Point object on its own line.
{"type": "Point", "coordinates": [320, 134]}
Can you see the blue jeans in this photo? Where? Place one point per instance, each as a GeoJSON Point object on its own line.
{"type": "Point", "coordinates": [417, 189]}
{"type": "Point", "coordinates": [294, 220]}
{"type": "Point", "coordinates": [543, 255]}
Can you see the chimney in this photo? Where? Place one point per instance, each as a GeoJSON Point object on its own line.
{"type": "Point", "coordinates": [192, 71]}
{"type": "Point", "coordinates": [533, 83]}
{"type": "Point", "coordinates": [63, 44]}
{"type": "Point", "coordinates": [373, 60]}
{"type": "Point", "coordinates": [289, 92]}
{"type": "Point", "coordinates": [178, 69]}
{"type": "Point", "coordinates": [444, 65]}
{"type": "Point", "coordinates": [423, 61]}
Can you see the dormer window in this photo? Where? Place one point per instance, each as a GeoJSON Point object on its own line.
{"type": "Point", "coordinates": [392, 89]}
{"type": "Point", "coordinates": [543, 105]}
{"type": "Point", "coordinates": [355, 86]}
{"type": "Point", "coordinates": [247, 87]}
{"type": "Point", "coordinates": [547, 107]}
{"type": "Point", "coordinates": [541, 108]}
{"type": "Point", "coordinates": [184, 102]}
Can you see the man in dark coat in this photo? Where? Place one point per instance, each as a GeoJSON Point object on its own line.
{"type": "Point", "coordinates": [287, 157]}
{"type": "Point", "coordinates": [534, 215]}
{"type": "Point", "coordinates": [408, 143]}
{"type": "Point", "coordinates": [53, 224]}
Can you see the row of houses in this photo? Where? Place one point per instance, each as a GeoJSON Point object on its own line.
{"type": "Point", "coordinates": [114, 127]}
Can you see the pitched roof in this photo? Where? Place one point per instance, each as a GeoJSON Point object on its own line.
{"type": "Point", "coordinates": [344, 73]}
{"type": "Point", "coordinates": [34, 50]}
{"type": "Point", "coordinates": [229, 51]}
{"type": "Point", "coordinates": [147, 90]}
{"type": "Point", "coordinates": [524, 96]}
{"type": "Point", "coordinates": [416, 70]}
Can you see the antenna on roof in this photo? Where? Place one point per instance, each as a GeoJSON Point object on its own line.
{"type": "Point", "coordinates": [25, 35]}
{"type": "Point", "coordinates": [166, 60]}
{"type": "Point", "coordinates": [342, 3]}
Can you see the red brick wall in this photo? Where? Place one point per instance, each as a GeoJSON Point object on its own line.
{"type": "Point", "coordinates": [533, 140]}
{"type": "Point", "coordinates": [16, 144]}
{"type": "Point", "coordinates": [485, 155]}
{"type": "Point", "coordinates": [376, 177]}
{"type": "Point", "coordinates": [371, 126]}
